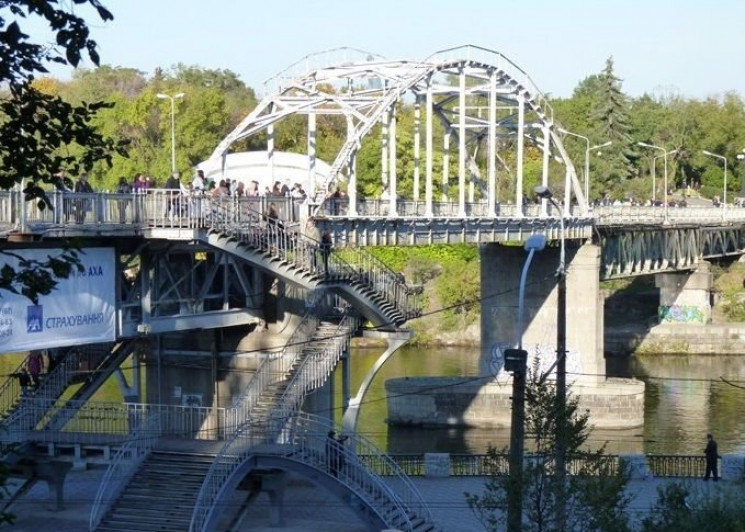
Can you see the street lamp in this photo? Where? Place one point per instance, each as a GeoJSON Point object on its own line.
{"type": "Point", "coordinates": [724, 192]}
{"type": "Point", "coordinates": [561, 362]}
{"type": "Point", "coordinates": [587, 157]}
{"type": "Point", "coordinates": [162, 96]}
{"type": "Point", "coordinates": [515, 361]}
{"type": "Point", "coordinates": [665, 154]}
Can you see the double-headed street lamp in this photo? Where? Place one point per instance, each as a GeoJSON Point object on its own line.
{"type": "Point", "coordinates": [724, 192]}
{"type": "Point", "coordinates": [162, 96]}
{"type": "Point", "coordinates": [665, 153]}
{"type": "Point", "coordinates": [587, 157]}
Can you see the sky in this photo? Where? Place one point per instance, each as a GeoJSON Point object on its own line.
{"type": "Point", "coordinates": [689, 48]}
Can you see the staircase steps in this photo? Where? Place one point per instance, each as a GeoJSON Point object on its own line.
{"type": "Point", "coordinates": [161, 495]}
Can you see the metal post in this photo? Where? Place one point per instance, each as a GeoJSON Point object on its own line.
{"type": "Point", "coordinates": [520, 154]}
{"type": "Point", "coordinates": [492, 179]}
{"type": "Point", "coordinates": [173, 134]}
{"type": "Point", "coordinates": [428, 150]}
{"type": "Point", "coordinates": [417, 142]}
{"type": "Point", "coordinates": [462, 145]}
{"type": "Point", "coordinates": [517, 438]}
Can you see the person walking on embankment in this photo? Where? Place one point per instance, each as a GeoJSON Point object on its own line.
{"type": "Point", "coordinates": [712, 455]}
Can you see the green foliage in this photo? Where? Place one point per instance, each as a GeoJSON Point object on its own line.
{"type": "Point", "coordinates": [595, 495]}
{"type": "Point", "coordinates": [681, 508]}
{"type": "Point", "coordinates": [40, 133]}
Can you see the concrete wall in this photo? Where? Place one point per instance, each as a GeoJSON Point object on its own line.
{"type": "Point", "coordinates": [442, 401]}
{"type": "Point", "coordinates": [501, 267]}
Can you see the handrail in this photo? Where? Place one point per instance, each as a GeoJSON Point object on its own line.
{"type": "Point", "coordinates": [303, 438]}
{"type": "Point", "coordinates": [111, 418]}
{"type": "Point", "coordinates": [124, 465]}
{"type": "Point", "coordinates": [316, 368]}
{"type": "Point", "coordinates": [252, 228]}
{"type": "Point", "coordinates": [169, 209]}
{"type": "Point", "coordinates": [10, 390]}
{"type": "Point", "coordinates": [274, 367]}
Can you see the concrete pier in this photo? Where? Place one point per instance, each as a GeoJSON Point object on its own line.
{"type": "Point", "coordinates": [485, 400]}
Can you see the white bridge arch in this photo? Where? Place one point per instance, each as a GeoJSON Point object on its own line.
{"type": "Point", "coordinates": [478, 95]}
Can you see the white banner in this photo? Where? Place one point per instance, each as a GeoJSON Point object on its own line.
{"type": "Point", "coordinates": [80, 310]}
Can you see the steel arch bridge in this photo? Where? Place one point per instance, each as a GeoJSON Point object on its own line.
{"type": "Point", "coordinates": [480, 97]}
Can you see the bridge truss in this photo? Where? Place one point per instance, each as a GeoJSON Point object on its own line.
{"type": "Point", "coordinates": [482, 101]}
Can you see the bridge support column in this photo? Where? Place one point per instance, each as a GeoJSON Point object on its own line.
{"type": "Point", "coordinates": [500, 274]}
{"type": "Point", "coordinates": [685, 298]}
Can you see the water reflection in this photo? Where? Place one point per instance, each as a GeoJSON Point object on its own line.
{"type": "Point", "coordinates": [685, 399]}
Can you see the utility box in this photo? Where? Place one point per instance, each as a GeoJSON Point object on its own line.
{"type": "Point", "coordinates": [515, 360]}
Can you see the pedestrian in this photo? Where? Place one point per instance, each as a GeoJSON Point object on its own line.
{"type": "Point", "coordinates": [82, 206]}
{"type": "Point", "coordinates": [24, 380]}
{"type": "Point", "coordinates": [334, 453]}
{"type": "Point", "coordinates": [125, 189]}
{"type": "Point", "coordinates": [34, 366]}
{"type": "Point", "coordinates": [173, 191]}
{"type": "Point", "coordinates": [326, 244]}
{"type": "Point", "coordinates": [712, 455]}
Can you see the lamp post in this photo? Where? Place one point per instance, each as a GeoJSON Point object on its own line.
{"type": "Point", "coordinates": [587, 157]}
{"type": "Point", "coordinates": [561, 362]}
{"type": "Point", "coordinates": [724, 191]}
{"type": "Point", "coordinates": [162, 96]}
{"type": "Point", "coordinates": [515, 361]}
{"type": "Point", "coordinates": [741, 157]}
{"type": "Point", "coordinates": [665, 153]}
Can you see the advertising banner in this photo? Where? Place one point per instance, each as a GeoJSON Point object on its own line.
{"type": "Point", "coordinates": [80, 310]}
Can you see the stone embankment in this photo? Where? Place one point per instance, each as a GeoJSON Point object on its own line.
{"type": "Point", "coordinates": [709, 339]}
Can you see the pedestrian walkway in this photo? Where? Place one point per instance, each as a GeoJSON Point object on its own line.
{"type": "Point", "coordinates": [308, 509]}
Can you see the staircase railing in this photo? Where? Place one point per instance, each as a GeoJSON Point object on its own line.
{"type": "Point", "coordinates": [303, 438]}
{"type": "Point", "coordinates": [34, 405]}
{"type": "Point", "coordinates": [378, 276]}
{"type": "Point", "coordinates": [124, 465]}
{"type": "Point", "coordinates": [235, 220]}
{"type": "Point", "coordinates": [10, 390]}
{"type": "Point", "coordinates": [316, 368]}
{"type": "Point", "coordinates": [275, 367]}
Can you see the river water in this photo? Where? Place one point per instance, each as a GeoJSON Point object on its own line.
{"type": "Point", "coordinates": [686, 397]}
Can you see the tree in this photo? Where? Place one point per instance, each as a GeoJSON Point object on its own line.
{"type": "Point", "coordinates": [610, 118]}
{"type": "Point", "coordinates": [596, 500]}
{"type": "Point", "coordinates": [37, 127]}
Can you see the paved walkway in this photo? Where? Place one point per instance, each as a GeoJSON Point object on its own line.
{"type": "Point", "coordinates": [308, 509]}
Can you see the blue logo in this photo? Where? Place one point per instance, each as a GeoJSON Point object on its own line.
{"type": "Point", "coordinates": [34, 318]}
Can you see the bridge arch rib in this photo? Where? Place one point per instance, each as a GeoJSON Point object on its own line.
{"type": "Point", "coordinates": [477, 95]}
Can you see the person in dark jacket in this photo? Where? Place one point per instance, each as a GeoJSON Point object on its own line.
{"type": "Point", "coordinates": [712, 455]}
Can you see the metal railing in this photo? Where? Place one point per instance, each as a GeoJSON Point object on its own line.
{"type": "Point", "coordinates": [316, 367]}
{"type": "Point", "coordinates": [274, 368]}
{"type": "Point", "coordinates": [161, 208]}
{"type": "Point", "coordinates": [666, 465]}
{"type": "Point", "coordinates": [303, 438]}
{"type": "Point", "coordinates": [11, 390]}
{"type": "Point", "coordinates": [481, 465]}
{"type": "Point", "coordinates": [88, 420]}
{"type": "Point", "coordinates": [124, 465]}
{"type": "Point", "coordinates": [303, 252]}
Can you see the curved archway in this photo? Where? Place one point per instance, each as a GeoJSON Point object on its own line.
{"type": "Point", "coordinates": [477, 95]}
{"type": "Point", "coordinates": [364, 510]}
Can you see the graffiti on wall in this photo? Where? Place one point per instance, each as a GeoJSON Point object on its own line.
{"type": "Point", "coordinates": [681, 314]}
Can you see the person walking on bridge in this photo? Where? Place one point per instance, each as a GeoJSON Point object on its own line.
{"type": "Point", "coordinates": [712, 455]}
